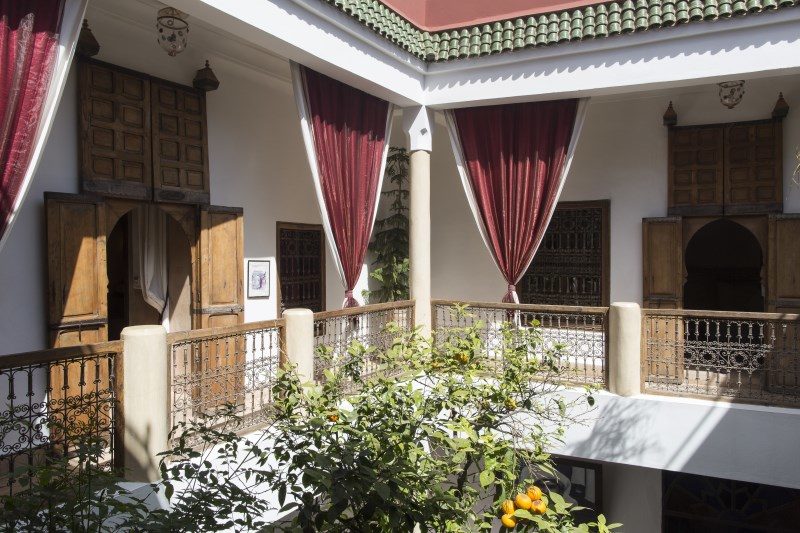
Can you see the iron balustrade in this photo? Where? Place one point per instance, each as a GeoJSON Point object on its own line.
{"type": "Point", "coordinates": [56, 401]}
{"type": "Point", "coordinates": [219, 367]}
{"type": "Point", "coordinates": [580, 333]}
{"type": "Point", "coordinates": [367, 325]}
{"type": "Point", "coordinates": [754, 357]}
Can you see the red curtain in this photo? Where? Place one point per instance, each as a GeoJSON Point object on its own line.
{"type": "Point", "coordinates": [514, 157]}
{"type": "Point", "coordinates": [28, 46]}
{"type": "Point", "coordinates": [349, 132]}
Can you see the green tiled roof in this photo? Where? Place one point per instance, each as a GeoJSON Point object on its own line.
{"type": "Point", "coordinates": [588, 22]}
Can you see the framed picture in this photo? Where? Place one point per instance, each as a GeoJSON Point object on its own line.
{"type": "Point", "coordinates": [258, 278]}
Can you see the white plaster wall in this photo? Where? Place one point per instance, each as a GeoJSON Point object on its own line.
{"type": "Point", "coordinates": [632, 496]}
{"type": "Point", "coordinates": [621, 156]}
{"type": "Point", "coordinates": [256, 155]}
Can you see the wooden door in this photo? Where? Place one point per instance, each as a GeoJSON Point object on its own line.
{"type": "Point", "coordinates": [662, 259]}
{"type": "Point", "coordinates": [783, 296]}
{"type": "Point", "coordinates": [301, 266]}
{"type": "Point", "coordinates": [221, 291]}
{"type": "Point", "coordinates": [753, 167]}
{"type": "Point", "coordinates": [77, 284]}
{"type": "Point", "coordinates": [115, 131]}
{"type": "Point", "coordinates": [180, 144]}
{"type": "Point", "coordinates": [695, 170]}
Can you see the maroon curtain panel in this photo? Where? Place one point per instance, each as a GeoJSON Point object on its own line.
{"type": "Point", "coordinates": [28, 46]}
{"type": "Point", "coordinates": [349, 131]}
{"type": "Point", "coordinates": [514, 157]}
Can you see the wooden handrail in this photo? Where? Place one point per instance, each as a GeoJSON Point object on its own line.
{"type": "Point", "coordinates": [566, 309]}
{"type": "Point", "coordinates": [730, 315]}
{"type": "Point", "coordinates": [57, 354]}
{"type": "Point", "coordinates": [371, 308]}
{"type": "Point", "coordinates": [223, 331]}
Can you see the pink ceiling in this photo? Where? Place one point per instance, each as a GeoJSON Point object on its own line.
{"type": "Point", "coordinates": [432, 15]}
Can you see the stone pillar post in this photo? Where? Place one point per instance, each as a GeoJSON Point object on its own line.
{"type": "Point", "coordinates": [624, 348]}
{"type": "Point", "coordinates": [299, 345]}
{"type": "Point", "coordinates": [418, 124]}
{"type": "Point", "coordinates": [145, 400]}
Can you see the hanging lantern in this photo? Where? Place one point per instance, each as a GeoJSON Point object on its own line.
{"type": "Point", "coordinates": [205, 79]}
{"type": "Point", "coordinates": [731, 92]}
{"type": "Point", "coordinates": [173, 30]}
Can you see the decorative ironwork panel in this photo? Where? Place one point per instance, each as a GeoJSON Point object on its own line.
{"type": "Point", "coordinates": [368, 325]}
{"type": "Point", "coordinates": [752, 356]}
{"type": "Point", "coordinates": [301, 263]}
{"type": "Point", "coordinates": [215, 368]}
{"type": "Point", "coordinates": [568, 268]}
{"type": "Point", "coordinates": [577, 334]}
{"type": "Point", "coordinates": [53, 407]}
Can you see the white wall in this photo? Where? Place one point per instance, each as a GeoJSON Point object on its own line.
{"type": "Point", "coordinates": [256, 155]}
{"type": "Point", "coordinates": [632, 496]}
{"type": "Point", "coordinates": [621, 156]}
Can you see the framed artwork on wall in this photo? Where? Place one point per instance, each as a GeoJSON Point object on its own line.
{"type": "Point", "coordinates": [258, 279]}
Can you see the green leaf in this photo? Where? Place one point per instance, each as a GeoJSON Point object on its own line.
{"type": "Point", "coordinates": [487, 478]}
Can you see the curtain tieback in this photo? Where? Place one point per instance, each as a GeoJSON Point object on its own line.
{"type": "Point", "coordinates": [349, 300]}
{"type": "Point", "coordinates": [511, 295]}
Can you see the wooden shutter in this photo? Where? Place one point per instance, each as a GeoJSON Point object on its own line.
{"type": "Point", "coordinates": [696, 170]}
{"type": "Point", "coordinates": [783, 266]}
{"type": "Point", "coordinates": [753, 167]}
{"type": "Point", "coordinates": [301, 266]}
{"type": "Point", "coordinates": [221, 263]}
{"type": "Point", "coordinates": [115, 131]}
{"type": "Point", "coordinates": [662, 259]}
{"type": "Point", "coordinates": [180, 144]}
{"type": "Point", "coordinates": [77, 284]}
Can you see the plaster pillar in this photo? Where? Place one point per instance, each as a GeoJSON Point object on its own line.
{"type": "Point", "coordinates": [299, 342]}
{"type": "Point", "coordinates": [624, 348]}
{"type": "Point", "coordinates": [145, 400]}
{"type": "Point", "coordinates": [418, 125]}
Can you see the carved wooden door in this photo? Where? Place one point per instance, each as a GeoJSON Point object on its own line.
{"type": "Point", "coordinates": [115, 131]}
{"type": "Point", "coordinates": [301, 266]}
{"type": "Point", "coordinates": [753, 167]}
{"type": "Point", "coordinates": [180, 144]}
{"type": "Point", "coordinates": [695, 170]}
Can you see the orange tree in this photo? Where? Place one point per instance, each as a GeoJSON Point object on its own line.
{"type": "Point", "coordinates": [435, 439]}
{"type": "Point", "coordinates": [440, 428]}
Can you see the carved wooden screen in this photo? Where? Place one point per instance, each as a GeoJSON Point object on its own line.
{"type": "Point", "coordinates": [115, 131]}
{"type": "Point", "coordinates": [301, 266]}
{"type": "Point", "coordinates": [571, 265]}
{"type": "Point", "coordinates": [695, 170]}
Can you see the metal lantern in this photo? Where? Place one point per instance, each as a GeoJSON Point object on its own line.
{"type": "Point", "coordinates": [731, 92]}
{"type": "Point", "coordinates": [173, 30]}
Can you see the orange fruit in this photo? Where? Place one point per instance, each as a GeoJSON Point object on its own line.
{"type": "Point", "coordinates": [522, 501]}
{"type": "Point", "coordinates": [333, 418]}
{"type": "Point", "coordinates": [538, 507]}
{"type": "Point", "coordinates": [511, 404]}
{"type": "Point", "coordinates": [508, 507]}
{"type": "Point", "coordinates": [534, 493]}
{"type": "Point", "coordinates": [508, 520]}
{"type": "Point", "coordinates": [463, 357]}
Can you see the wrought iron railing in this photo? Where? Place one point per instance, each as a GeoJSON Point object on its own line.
{"type": "Point", "coordinates": [55, 401]}
{"type": "Point", "coordinates": [368, 325]}
{"type": "Point", "coordinates": [720, 354]}
{"type": "Point", "coordinates": [578, 335]}
{"type": "Point", "coordinates": [214, 369]}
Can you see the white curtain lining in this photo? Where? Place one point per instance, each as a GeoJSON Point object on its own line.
{"type": "Point", "coordinates": [301, 99]}
{"type": "Point", "coordinates": [71, 19]}
{"type": "Point", "coordinates": [455, 141]}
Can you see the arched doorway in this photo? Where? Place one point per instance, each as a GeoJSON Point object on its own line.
{"type": "Point", "coordinates": [723, 269]}
{"type": "Point", "coordinates": [147, 234]}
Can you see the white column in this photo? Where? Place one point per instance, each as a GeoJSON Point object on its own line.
{"type": "Point", "coordinates": [145, 400]}
{"type": "Point", "coordinates": [299, 345]}
{"type": "Point", "coordinates": [418, 124]}
{"type": "Point", "coordinates": [624, 348]}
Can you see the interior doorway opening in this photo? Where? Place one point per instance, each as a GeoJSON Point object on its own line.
{"type": "Point", "coordinates": [149, 272]}
{"type": "Point", "coordinates": [723, 266]}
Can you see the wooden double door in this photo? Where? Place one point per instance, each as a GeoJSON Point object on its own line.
{"type": "Point", "coordinates": [77, 230]}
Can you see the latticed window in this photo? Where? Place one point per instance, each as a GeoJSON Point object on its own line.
{"type": "Point", "coordinates": [571, 265]}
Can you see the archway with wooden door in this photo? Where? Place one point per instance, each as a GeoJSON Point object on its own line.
{"type": "Point", "coordinates": [723, 262]}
